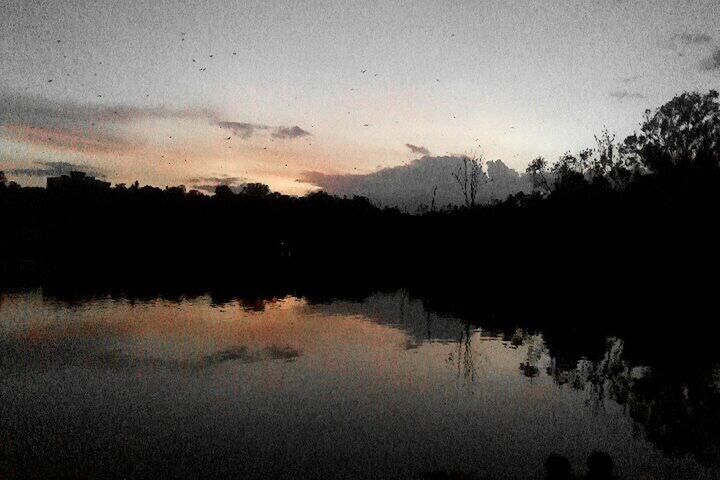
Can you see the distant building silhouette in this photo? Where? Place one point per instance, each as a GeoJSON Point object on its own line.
{"type": "Point", "coordinates": [76, 180]}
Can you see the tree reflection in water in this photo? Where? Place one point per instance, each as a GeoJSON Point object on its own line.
{"type": "Point", "coordinates": [675, 403]}
{"type": "Point", "coordinates": [462, 357]}
{"type": "Point", "coordinates": [677, 406]}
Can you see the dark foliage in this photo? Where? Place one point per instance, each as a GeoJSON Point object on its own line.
{"type": "Point", "coordinates": [617, 221]}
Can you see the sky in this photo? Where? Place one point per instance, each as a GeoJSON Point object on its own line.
{"type": "Point", "coordinates": [207, 92]}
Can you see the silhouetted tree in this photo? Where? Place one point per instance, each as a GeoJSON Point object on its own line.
{"type": "Point", "coordinates": [258, 190]}
{"type": "Point", "coordinates": [469, 175]}
{"type": "Point", "coordinates": [537, 169]}
{"type": "Point", "coordinates": [178, 191]}
{"type": "Point", "coordinates": [223, 191]}
{"type": "Point", "coordinates": [570, 171]}
{"type": "Point", "coordinates": [684, 130]}
{"type": "Point", "coordinates": [612, 164]}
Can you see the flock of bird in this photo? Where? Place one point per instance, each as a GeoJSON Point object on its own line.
{"type": "Point", "coordinates": [363, 71]}
{"type": "Point", "coordinates": [212, 55]}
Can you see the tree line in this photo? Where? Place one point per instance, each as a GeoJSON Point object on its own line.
{"type": "Point", "coordinates": [646, 204]}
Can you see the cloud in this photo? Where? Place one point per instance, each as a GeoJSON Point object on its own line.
{"type": "Point", "coordinates": [60, 350]}
{"type": "Point", "coordinates": [208, 184]}
{"type": "Point", "coordinates": [53, 169]}
{"type": "Point", "coordinates": [712, 62]}
{"type": "Point", "coordinates": [630, 79]}
{"type": "Point", "coordinates": [85, 140]}
{"type": "Point", "coordinates": [244, 355]}
{"type": "Point", "coordinates": [221, 180]}
{"type": "Point", "coordinates": [694, 38]}
{"type": "Point", "coordinates": [246, 130]}
{"type": "Point", "coordinates": [684, 43]}
{"type": "Point", "coordinates": [242, 129]}
{"type": "Point", "coordinates": [290, 132]}
{"type": "Point", "coordinates": [87, 128]}
{"type": "Point", "coordinates": [418, 150]}
{"type": "Point", "coordinates": [408, 186]}
{"type": "Point", "coordinates": [23, 111]}
{"type": "Point", "coordinates": [623, 94]}
{"type": "Point", "coordinates": [35, 111]}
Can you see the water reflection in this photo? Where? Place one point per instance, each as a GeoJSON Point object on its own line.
{"type": "Point", "coordinates": [282, 386]}
{"type": "Point", "coordinates": [677, 410]}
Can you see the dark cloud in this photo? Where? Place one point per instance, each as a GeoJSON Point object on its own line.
{"type": "Point", "coordinates": [409, 186]}
{"type": "Point", "coordinates": [712, 62]}
{"type": "Point", "coordinates": [290, 132]}
{"type": "Point", "coordinates": [242, 129]}
{"type": "Point", "coordinates": [419, 150]}
{"type": "Point", "coordinates": [80, 127]}
{"type": "Point", "coordinates": [53, 169]}
{"type": "Point", "coordinates": [694, 38]}
{"type": "Point", "coordinates": [246, 130]}
{"type": "Point", "coordinates": [208, 184]}
{"type": "Point", "coordinates": [623, 94]}
{"type": "Point", "coordinates": [39, 112]}
{"type": "Point", "coordinates": [94, 121]}
{"type": "Point", "coordinates": [220, 180]}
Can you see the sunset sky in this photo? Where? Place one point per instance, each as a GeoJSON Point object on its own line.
{"type": "Point", "coordinates": [208, 92]}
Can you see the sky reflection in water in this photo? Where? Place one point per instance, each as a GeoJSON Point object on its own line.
{"type": "Point", "coordinates": [379, 388]}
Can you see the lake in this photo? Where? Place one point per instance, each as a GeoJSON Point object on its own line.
{"type": "Point", "coordinates": [285, 387]}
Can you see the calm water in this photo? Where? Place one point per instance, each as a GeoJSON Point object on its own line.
{"type": "Point", "coordinates": [283, 388]}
